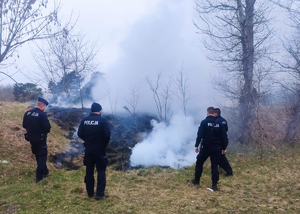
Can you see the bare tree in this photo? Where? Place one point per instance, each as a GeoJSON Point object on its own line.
{"type": "Point", "coordinates": [9, 76]}
{"type": "Point", "coordinates": [112, 102]}
{"type": "Point", "coordinates": [234, 32]}
{"type": "Point", "coordinates": [263, 109]}
{"type": "Point", "coordinates": [291, 66]}
{"type": "Point", "coordinates": [54, 60]}
{"type": "Point", "coordinates": [133, 100]}
{"type": "Point", "coordinates": [83, 55]}
{"type": "Point", "coordinates": [166, 95]}
{"type": "Point", "coordinates": [162, 97]}
{"type": "Point", "coordinates": [24, 21]}
{"type": "Point", "coordinates": [64, 55]}
{"type": "Point", "coordinates": [181, 82]}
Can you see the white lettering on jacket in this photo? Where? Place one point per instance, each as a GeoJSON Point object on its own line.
{"type": "Point", "coordinates": [91, 123]}
{"type": "Point", "coordinates": [213, 125]}
{"type": "Point", "coordinates": [35, 114]}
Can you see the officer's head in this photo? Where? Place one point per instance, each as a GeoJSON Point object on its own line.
{"type": "Point", "coordinates": [96, 108]}
{"type": "Point", "coordinates": [210, 111]}
{"type": "Point", "coordinates": [42, 104]}
{"type": "Point", "coordinates": [217, 112]}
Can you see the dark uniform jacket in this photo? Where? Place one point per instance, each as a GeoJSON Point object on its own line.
{"type": "Point", "coordinates": [224, 124]}
{"type": "Point", "coordinates": [212, 133]}
{"type": "Point", "coordinates": [94, 130]}
{"type": "Point", "coordinates": [221, 120]}
{"type": "Point", "coordinates": [36, 124]}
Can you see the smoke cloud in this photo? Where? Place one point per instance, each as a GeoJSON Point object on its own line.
{"type": "Point", "coordinates": [167, 145]}
{"type": "Point", "coordinates": [162, 41]}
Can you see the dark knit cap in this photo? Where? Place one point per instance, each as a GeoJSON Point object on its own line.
{"type": "Point", "coordinates": [96, 107]}
{"type": "Point", "coordinates": [43, 101]}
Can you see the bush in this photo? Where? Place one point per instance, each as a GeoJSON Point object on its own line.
{"type": "Point", "coordinates": [26, 92]}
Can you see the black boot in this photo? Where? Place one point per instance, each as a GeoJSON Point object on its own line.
{"type": "Point", "coordinates": [214, 187]}
{"type": "Point", "coordinates": [98, 197]}
{"type": "Point", "coordinates": [228, 174]}
{"type": "Point", "coordinates": [193, 181]}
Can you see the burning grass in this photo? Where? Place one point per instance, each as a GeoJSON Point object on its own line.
{"type": "Point", "coordinates": [125, 134]}
{"type": "Point", "coordinates": [271, 188]}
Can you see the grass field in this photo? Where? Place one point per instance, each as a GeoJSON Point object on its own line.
{"type": "Point", "coordinates": [271, 188]}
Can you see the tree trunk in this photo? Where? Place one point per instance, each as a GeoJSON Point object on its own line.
{"type": "Point", "coordinates": [247, 101]}
{"type": "Point", "coordinates": [81, 96]}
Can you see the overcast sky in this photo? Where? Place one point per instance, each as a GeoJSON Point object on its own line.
{"type": "Point", "coordinates": [140, 38]}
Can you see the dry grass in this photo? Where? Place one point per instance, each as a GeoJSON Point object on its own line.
{"type": "Point", "coordinates": [272, 188]}
{"type": "Point", "coordinates": [12, 133]}
{"type": "Point", "coordinates": [13, 147]}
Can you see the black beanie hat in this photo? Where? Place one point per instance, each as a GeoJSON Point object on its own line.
{"type": "Point", "coordinates": [43, 101]}
{"type": "Point", "coordinates": [96, 107]}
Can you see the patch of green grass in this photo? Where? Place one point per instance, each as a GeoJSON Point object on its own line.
{"type": "Point", "coordinates": [271, 188]}
{"type": "Point", "coordinates": [157, 169]}
{"type": "Point", "coordinates": [143, 172]}
{"type": "Point", "coordinates": [77, 190]}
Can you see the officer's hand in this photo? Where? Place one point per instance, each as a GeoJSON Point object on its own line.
{"type": "Point", "coordinates": [223, 152]}
{"type": "Point", "coordinates": [196, 149]}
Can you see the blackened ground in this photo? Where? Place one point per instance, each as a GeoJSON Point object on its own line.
{"type": "Point", "coordinates": [126, 132]}
{"type": "Point", "coordinates": [67, 118]}
{"type": "Point", "coordinates": [72, 158]}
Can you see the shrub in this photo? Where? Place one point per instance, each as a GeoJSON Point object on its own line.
{"type": "Point", "coordinates": [26, 92]}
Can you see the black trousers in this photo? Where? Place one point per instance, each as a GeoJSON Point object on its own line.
{"type": "Point", "coordinates": [224, 164]}
{"type": "Point", "coordinates": [40, 153]}
{"type": "Point", "coordinates": [94, 157]}
{"type": "Point", "coordinates": [214, 152]}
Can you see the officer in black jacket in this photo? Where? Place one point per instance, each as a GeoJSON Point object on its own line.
{"type": "Point", "coordinates": [224, 164]}
{"type": "Point", "coordinates": [95, 132]}
{"type": "Point", "coordinates": [37, 125]}
{"type": "Point", "coordinates": [213, 138]}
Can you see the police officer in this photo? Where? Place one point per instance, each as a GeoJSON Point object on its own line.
{"type": "Point", "coordinates": [37, 125]}
{"type": "Point", "coordinates": [224, 164]}
{"type": "Point", "coordinates": [95, 132]}
{"type": "Point", "coordinates": [213, 138]}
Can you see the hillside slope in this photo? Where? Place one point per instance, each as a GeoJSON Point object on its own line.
{"type": "Point", "coordinates": [271, 188]}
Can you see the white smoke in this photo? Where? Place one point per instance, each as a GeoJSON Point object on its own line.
{"type": "Point", "coordinates": [167, 145]}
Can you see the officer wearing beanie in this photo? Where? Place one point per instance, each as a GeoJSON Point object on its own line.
{"type": "Point", "coordinates": [224, 164]}
{"type": "Point", "coordinates": [95, 132]}
{"type": "Point", "coordinates": [37, 125]}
